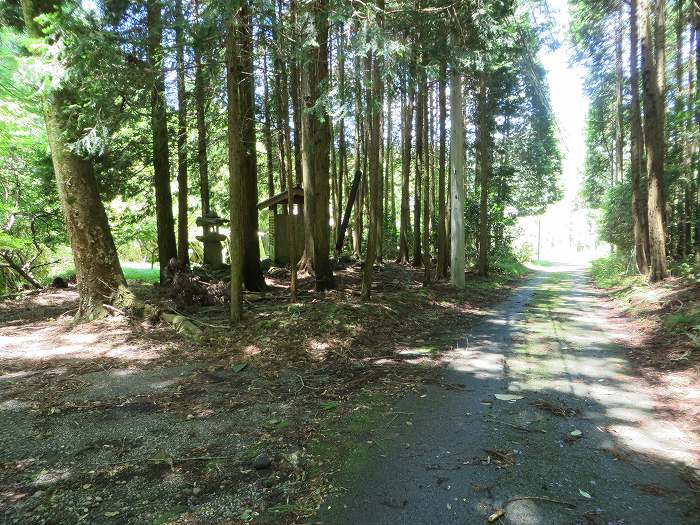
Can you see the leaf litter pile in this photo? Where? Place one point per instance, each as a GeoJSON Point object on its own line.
{"type": "Point", "coordinates": [119, 421]}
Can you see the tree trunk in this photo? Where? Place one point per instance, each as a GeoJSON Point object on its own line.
{"type": "Point", "coordinates": [342, 146]}
{"type": "Point", "coordinates": [442, 233]}
{"type": "Point", "coordinates": [316, 137]}
{"type": "Point", "coordinates": [97, 267]}
{"type": "Point", "coordinates": [182, 185]}
{"type": "Point", "coordinates": [620, 123]}
{"type": "Point", "coordinates": [295, 92]}
{"type": "Point", "coordinates": [375, 168]}
{"type": "Point", "coordinates": [406, 133]}
{"type": "Point", "coordinates": [167, 248]}
{"type": "Point", "coordinates": [485, 152]}
{"type": "Point", "coordinates": [236, 92]}
{"type": "Point", "coordinates": [359, 131]}
{"type": "Point", "coordinates": [267, 129]}
{"type": "Point", "coordinates": [285, 166]}
{"type": "Point", "coordinates": [282, 99]}
{"type": "Point", "coordinates": [425, 168]}
{"type": "Point", "coordinates": [456, 181]}
{"type": "Point", "coordinates": [246, 167]}
{"type": "Point", "coordinates": [199, 101]}
{"type": "Point", "coordinates": [641, 234]}
{"type": "Point", "coordinates": [389, 201]}
{"type": "Point", "coordinates": [696, 115]}
{"type": "Point", "coordinates": [654, 139]}
{"type": "Point", "coordinates": [418, 180]}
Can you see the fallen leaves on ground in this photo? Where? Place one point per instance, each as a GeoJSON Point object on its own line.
{"type": "Point", "coordinates": [557, 410]}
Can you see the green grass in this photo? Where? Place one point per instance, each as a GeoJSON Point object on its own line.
{"type": "Point", "coordinates": [140, 273]}
{"type": "Point", "coordinates": [614, 270]}
{"type": "Point", "coordinates": [542, 263]}
{"type": "Point", "coordinates": [508, 265]}
{"type": "Point", "coordinates": [132, 272]}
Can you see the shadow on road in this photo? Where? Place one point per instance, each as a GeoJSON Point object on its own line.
{"type": "Point", "coordinates": [582, 437]}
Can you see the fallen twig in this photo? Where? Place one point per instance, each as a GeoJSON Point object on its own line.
{"type": "Point", "coordinates": [166, 460]}
{"type": "Point", "coordinates": [541, 498]}
{"type": "Point", "coordinates": [557, 410]}
{"type": "Point", "coordinates": [115, 311]}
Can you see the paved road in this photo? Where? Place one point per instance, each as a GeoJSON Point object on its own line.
{"type": "Point", "coordinates": [551, 340]}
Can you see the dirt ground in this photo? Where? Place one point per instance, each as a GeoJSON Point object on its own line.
{"type": "Point", "coordinates": [659, 325]}
{"type": "Point", "coordinates": [120, 421]}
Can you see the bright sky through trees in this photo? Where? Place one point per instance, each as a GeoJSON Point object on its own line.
{"type": "Point", "coordinates": [565, 224]}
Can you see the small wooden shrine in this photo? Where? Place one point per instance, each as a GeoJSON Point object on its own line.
{"type": "Point", "coordinates": [279, 224]}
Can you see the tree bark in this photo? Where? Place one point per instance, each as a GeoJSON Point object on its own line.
{"type": "Point", "coordinates": [359, 132]}
{"type": "Point", "coordinates": [620, 123]}
{"type": "Point", "coordinates": [295, 93]}
{"type": "Point", "coordinates": [167, 248]}
{"type": "Point", "coordinates": [485, 152]}
{"type": "Point", "coordinates": [199, 102]}
{"type": "Point", "coordinates": [373, 178]}
{"type": "Point", "coordinates": [418, 180]}
{"type": "Point", "coordinates": [237, 157]}
{"type": "Point", "coordinates": [316, 136]}
{"type": "Point", "coordinates": [641, 234]}
{"type": "Point", "coordinates": [654, 139]}
{"type": "Point", "coordinates": [442, 232]}
{"type": "Point", "coordinates": [246, 167]}
{"type": "Point", "coordinates": [456, 181]}
{"type": "Point", "coordinates": [97, 267]}
{"type": "Point", "coordinates": [375, 107]}
{"type": "Point", "coordinates": [425, 168]}
{"type": "Point", "coordinates": [182, 184]}
{"type": "Point", "coordinates": [342, 145]}
{"type": "Point", "coordinates": [406, 137]}
{"type": "Point", "coordinates": [267, 129]}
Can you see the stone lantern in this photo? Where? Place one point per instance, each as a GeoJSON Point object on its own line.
{"type": "Point", "coordinates": [212, 239]}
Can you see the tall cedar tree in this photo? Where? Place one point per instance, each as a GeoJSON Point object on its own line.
{"type": "Point", "coordinates": [182, 189]}
{"type": "Point", "coordinates": [316, 138]}
{"type": "Point", "coordinates": [374, 106]}
{"type": "Point", "coordinates": [456, 181]}
{"type": "Point", "coordinates": [237, 90]}
{"type": "Point", "coordinates": [407, 99]}
{"type": "Point", "coordinates": [485, 150]}
{"type": "Point", "coordinates": [246, 164]}
{"type": "Point", "coordinates": [654, 110]}
{"type": "Point", "coordinates": [165, 223]}
{"type": "Point", "coordinates": [97, 268]}
{"type": "Point", "coordinates": [639, 223]}
{"type": "Point", "coordinates": [442, 224]}
{"type": "Point", "coordinates": [200, 105]}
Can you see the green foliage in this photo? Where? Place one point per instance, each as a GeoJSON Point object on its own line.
{"type": "Point", "coordinates": [508, 264]}
{"type": "Point", "coordinates": [30, 216]}
{"type": "Point", "coordinates": [615, 270]}
{"type": "Point", "coordinates": [595, 29]}
{"type": "Point", "coordinates": [688, 268]}
{"type": "Point", "coordinates": [688, 319]}
{"type": "Point", "coordinates": [100, 53]}
{"type": "Point", "coordinates": [615, 223]}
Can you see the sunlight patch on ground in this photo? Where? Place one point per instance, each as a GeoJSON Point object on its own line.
{"type": "Point", "coordinates": [481, 365]}
{"type": "Point", "coordinates": [573, 351]}
{"type": "Point", "coordinates": [52, 340]}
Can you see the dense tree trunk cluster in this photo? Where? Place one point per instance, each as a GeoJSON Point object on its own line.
{"type": "Point", "coordinates": [656, 178]}
{"type": "Point", "coordinates": [305, 92]}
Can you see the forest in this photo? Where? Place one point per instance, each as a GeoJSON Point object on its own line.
{"type": "Point", "coordinates": [268, 261]}
{"type": "Point", "coordinates": [190, 111]}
